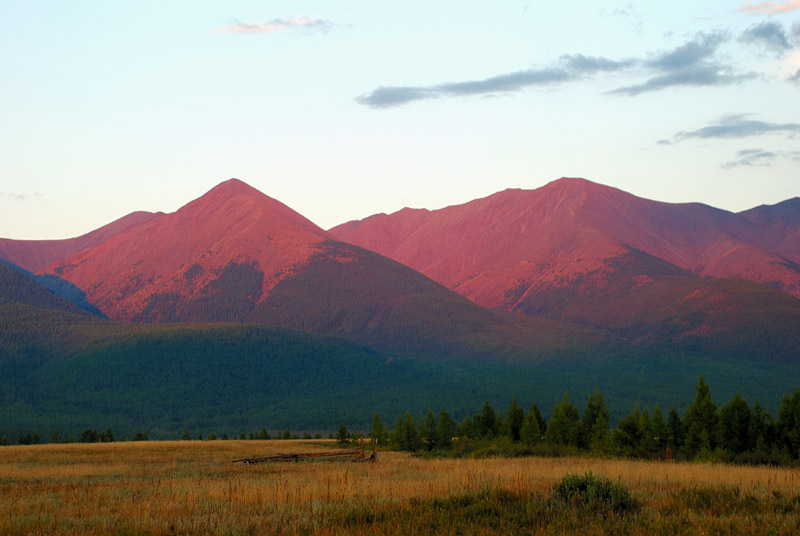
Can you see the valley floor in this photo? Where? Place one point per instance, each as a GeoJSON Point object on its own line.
{"type": "Point", "coordinates": [192, 487]}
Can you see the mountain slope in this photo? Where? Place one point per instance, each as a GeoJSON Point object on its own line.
{"type": "Point", "coordinates": [19, 287]}
{"type": "Point", "coordinates": [34, 255]}
{"type": "Point", "coordinates": [69, 372]}
{"type": "Point", "coordinates": [780, 225]}
{"type": "Point", "coordinates": [236, 255]}
{"type": "Point", "coordinates": [184, 252]}
{"type": "Point", "coordinates": [566, 228]}
{"type": "Point", "coordinates": [572, 249]}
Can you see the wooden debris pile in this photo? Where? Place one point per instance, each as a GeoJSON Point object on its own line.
{"type": "Point", "coordinates": [351, 455]}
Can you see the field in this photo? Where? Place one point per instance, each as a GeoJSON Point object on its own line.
{"type": "Point", "coordinates": [191, 487]}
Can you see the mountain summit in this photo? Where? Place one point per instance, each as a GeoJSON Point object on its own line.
{"type": "Point", "coordinates": [178, 255]}
{"type": "Point", "coordinates": [578, 251]}
{"type": "Point", "coordinates": [237, 255]}
{"type": "Point", "coordinates": [569, 228]}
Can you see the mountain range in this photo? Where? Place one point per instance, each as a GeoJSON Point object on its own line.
{"type": "Point", "coordinates": [579, 251]}
{"type": "Point", "coordinates": [568, 285]}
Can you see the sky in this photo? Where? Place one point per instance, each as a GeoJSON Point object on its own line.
{"type": "Point", "coordinates": [350, 108]}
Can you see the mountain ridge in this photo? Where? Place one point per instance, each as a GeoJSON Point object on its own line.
{"type": "Point", "coordinates": [574, 215]}
{"type": "Point", "coordinates": [34, 255]}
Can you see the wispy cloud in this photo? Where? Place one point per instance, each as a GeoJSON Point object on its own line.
{"type": "Point", "coordinates": [690, 64]}
{"type": "Point", "coordinates": [279, 25]}
{"type": "Point", "coordinates": [696, 75]}
{"type": "Point", "coordinates": [768, 34]}
{"type": "Point", "coordinates": [694, 63]}
{"type": "Point", "coordinates": [796, 77]}
{"type": "Point", "coordinates": [390, 96]}
{"type": "Point", "coordinates": [580, 64]}
{"type": "Point", "coordinates": [760, 157]}
{"type": "Point", "coordinates": [700, 48]}
{"type": "Point", "coordinates": [570, 67]}
{"type": "Point", "coordinates": [19, 197]}
{"type": "Point", "coordinates": [735, 126]}
{"type": "Point", "coordinates": [772, 6]}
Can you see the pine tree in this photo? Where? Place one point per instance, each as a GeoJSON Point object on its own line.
{"type": "Point", "coordinates": [514, 420]}
{"type": "Point", "coordinates": [564, 424]}
{"type": "Point", "coordinates": [446, 430]}
{"type": "Point", "coordinates": [647, 446]}
{"type": "Point", "coordinates": [735, 419]}
{"type": "Point", "coordinates": [411, 439]}
{"type": "Point", "coordinates": [627, 435]}
{"type": "Point", "coordinates": [488, 425]}
{"type": "Point", "coordinates": [468, 428]}
{"type": "Point", "coordinates": [530, 434]}
{"type": "Point", "coordinates": [533, 429]}
{"type": "Point", "coordinates": [595, 408]}
{"type": "Point", "coordinates": [659, 431]}
{"type": "Point", "coordinates": [789, 423]}
{"type": "Point", "coordinates": [761, 432]}
{"type": "Point", "coordinates": [429, 431]}
{"type": "Point", "coordinates": [701, 422]}
{"type": "Point", "coordinates": [600, 435]}
{"type": "Point", "coordinates": [398, 436]}
{"type": "Point", "coordinates": [342, 435]}
{"type": "Point", "coordinates": [676, 435]}
{"type": "Point", "coordinates": [378, 432]}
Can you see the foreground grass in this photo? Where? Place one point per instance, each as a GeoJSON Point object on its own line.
{"type": "Point", "coordinates": [193, 488]}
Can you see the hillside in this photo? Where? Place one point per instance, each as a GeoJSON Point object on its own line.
{"type": "Point", "coordinates": [570, 227]}
{"type": "Point", "coordinates": [34, 255]}
{"type": "Point", "coordinates": [578, 251]}
{"type": "Point", "coordinates": [184, 252]}
{"type": "Point", "coordinates": [236, 255]}
{"type": "Point", "coordinates": [69, 371]}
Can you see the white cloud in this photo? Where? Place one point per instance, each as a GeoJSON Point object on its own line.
{"type": "Point", "coordinates": [773, 6]}
{"type": "Point", "coordinates": [279, 25]}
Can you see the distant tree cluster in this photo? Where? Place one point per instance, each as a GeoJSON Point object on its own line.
{"type": "Point", "coordinates": [91, 435]}
{"type": "Point", "coordinates": [735, 432]}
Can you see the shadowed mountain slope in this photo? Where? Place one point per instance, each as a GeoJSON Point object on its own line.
{"type": "Point", "coordinates": [68, 372]}
{"type": "Point", "coordinates": [19, 287]}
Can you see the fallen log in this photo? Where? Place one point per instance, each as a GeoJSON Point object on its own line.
{"type": "Point", "coordinates": [353, 455]}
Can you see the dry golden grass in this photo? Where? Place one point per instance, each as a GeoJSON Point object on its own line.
{"type": "Point", "coordinates": [192, 486]}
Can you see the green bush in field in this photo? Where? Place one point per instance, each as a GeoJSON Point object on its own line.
{"type": "Point", "coordinates": [595, 492]}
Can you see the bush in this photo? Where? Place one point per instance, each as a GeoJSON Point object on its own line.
{"type": "Point", "coordinates": [595, 492]}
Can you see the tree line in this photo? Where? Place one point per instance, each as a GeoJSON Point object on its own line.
{"type": "Point", "coordinates": [735, 432]}
{"type": "Point", "coordinates": [91, 435]}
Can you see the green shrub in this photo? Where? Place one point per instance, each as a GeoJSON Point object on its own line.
{"type": "Point", "coordinates": [595, 492]}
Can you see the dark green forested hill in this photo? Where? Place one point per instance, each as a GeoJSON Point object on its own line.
{"type": "Point", "coordinates": [350, 292]}
{"type": "Point", "coordinates": [66, 370]}
{"type": "Point", "coordinates": [20, 287]}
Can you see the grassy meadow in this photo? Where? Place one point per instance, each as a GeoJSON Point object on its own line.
{"type": "Point", "coordinates": [192, 487]}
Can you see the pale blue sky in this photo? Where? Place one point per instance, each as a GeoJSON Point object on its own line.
{"type": "Point", "coordinates": [345, 109]}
